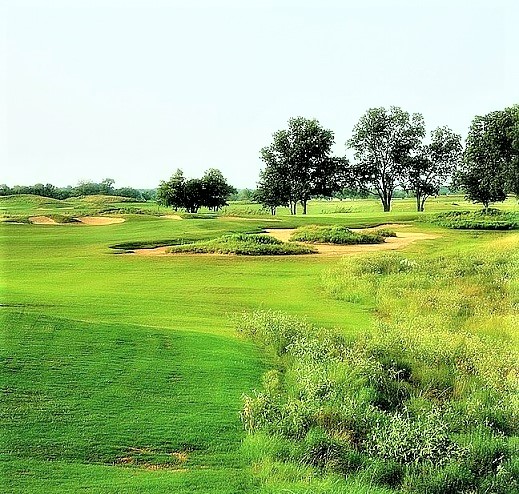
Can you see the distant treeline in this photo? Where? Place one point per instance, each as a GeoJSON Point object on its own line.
{"type": "Point", "coordinates": [84, 188]}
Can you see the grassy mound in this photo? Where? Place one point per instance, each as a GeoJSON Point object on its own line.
{"type": "Point", "coordinates": [492, 219]}
{"type": "Point", "coordinates": [338, 235]}
{"type": "Point", "coordinates": [242, 244]}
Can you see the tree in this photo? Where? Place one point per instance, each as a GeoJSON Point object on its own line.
{"type": "Point", "coordinates": [193, 195]}
{"type": "Point", "coordinates": [383, 142]}
{"type": "Point", "coordinates": [491, 159]}
{"type": "Point", "coordinates": [216, 189]}
{"type": "Point", "coordinates": [433, 165]}
{"type": "Point", "coordinates": [172, 192]}
{"type": "Point", "coordinates": [273, 189]}
{"type": "Point", "coordinates": [301, 157]}
{"type": "Point", "coordinates": [212, 191]}
{"type": "Point", "coordinates": [509, 147]}
{"type": "Point", "coordinates": [107, 186]}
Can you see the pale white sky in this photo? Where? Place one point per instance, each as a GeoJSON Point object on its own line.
{"type": "Point", "coordinates": [133, 89]}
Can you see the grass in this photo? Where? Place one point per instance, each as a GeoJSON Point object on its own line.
{"type": "Point", "coordinates": [113, 366]}
{"type": "Point", "coordinates": [491, 219]}
{"type": "Point", "coordinates": [119, 397]}
{"type": "Point", "coordinates": [424, 402]}
{"type": "Point", "coordinates": [244, 245]}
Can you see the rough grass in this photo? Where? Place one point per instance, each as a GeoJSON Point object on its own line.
{"type": "Point", "coordinates": [427, 402]}
{"type": "Point", "coordinates": [242, 244]}
{"type": "Point", "coordinates": [492, 219]}
{"type": "Point", "coordinates": [335, 234]}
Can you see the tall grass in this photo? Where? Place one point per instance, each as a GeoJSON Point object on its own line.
{"type": "Point", "coordinates": [242, 244]}
{"type": "Point", "coordinates": [491, 219]}
{"type": "Point", "coordinates": [337, 234]}
{"type": "Point", "coordinates": [426, 402]}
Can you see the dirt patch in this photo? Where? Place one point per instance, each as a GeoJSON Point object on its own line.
{"type": "Point", "coordinates": [99, 220]}
{"type": "Point", "coordinates": [172, 216]}
{"type": "Point", "coordinates": [42, 220]}
{"type": "Point", "coordinates": [401, 240]}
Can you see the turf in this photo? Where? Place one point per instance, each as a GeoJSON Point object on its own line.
{"type": "Point", "coordinates": [113, 365]}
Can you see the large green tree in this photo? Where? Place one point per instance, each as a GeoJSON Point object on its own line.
{"type": "Point", "coordinates": [433, 165]}
{"type": "Point", "coordinates": [172, 192]}
{"type": "Point", "coordinates": [491, 160]}
{"type": "Point", "coordinates": [383, 142]}
{"type": "Point", "coordinates": [216, 190]}
{"type": "Point", "coordinates": [211, 191]}
{"type": "Point", "coordinates": [302, 157]}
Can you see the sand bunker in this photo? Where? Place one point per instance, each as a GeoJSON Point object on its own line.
{"type": "Point", "coordinates": [86, 220]}
{"type": "Point", "coordinates": [402, 239]}
{"type": "Point", "coordinates": [172, 216]}
{"type": "Point", "coordinates": [42, 220]}
{"type": "Point", "coordinates": [100, 220]}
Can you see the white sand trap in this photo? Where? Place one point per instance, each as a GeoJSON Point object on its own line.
{"type": "Point", "coordinates": [42, 220]}
{"type": "Point", "coordinates": [100, 220]}
{"type": "Point", "coordinates": [172, 217]}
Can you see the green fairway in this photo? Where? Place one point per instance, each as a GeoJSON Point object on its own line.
{"type": "Point", "coordinates": [124, 373]}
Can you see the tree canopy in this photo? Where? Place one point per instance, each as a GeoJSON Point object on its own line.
{"type": "Point", "coordinates": [491, 160]}
{"type": "Point", "coordinates": [384, 141]}
{"type": "Point", "coordinates": [211, 191]}
{"type": "Point", "coordinates": [433, 165]}
{"type": "Point", "coordinates": [299, 165]}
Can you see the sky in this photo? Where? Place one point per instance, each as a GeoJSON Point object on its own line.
{"type": "Point", "coordinates": [134, 89]}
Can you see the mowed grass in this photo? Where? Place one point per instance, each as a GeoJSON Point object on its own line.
{"type": "Point", "coordinates": [123, 373]}
{"type": "Point", "coordinates": [130, 401]}
{"type": "Point", "coordinates": [113, 366]}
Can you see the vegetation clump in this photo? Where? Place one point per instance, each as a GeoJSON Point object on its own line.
{"type": "Point", "coordinates": [424, 403]}
{"type": "Point", "coordinates": [242, 244]}
{"type": "Point", "coordinates": [336, 234]}
{"type": "Point", "coordinates": [490, 219]}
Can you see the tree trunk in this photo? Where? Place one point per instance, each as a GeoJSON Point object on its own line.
{"type": "Point", "coordinates": [420, 203]}
{"type": "Point", "coordinates": [386, 201]}
{"type": "Point", "coordinates": [303, 203]}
